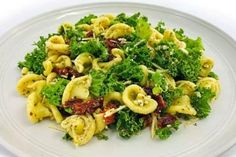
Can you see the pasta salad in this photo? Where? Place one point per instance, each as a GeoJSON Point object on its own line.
{"type": "Point", "coordinates": [117, 72]}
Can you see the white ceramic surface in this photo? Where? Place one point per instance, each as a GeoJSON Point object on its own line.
{"type": "Point", "coordinates": [209, 138]}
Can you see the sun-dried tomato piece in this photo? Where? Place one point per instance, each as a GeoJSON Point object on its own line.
{"type": "Point", "coordinates": [89, 34]}
{"type": "Point", "coordinates": [94, 104]}
{"type": "Point", "coordinates": [80, 107]}
{"type": "Point", "coordinates": [166, 120]}
{"type": "Point", "coordinates": [111, 43]}
{"type": "Point", "coordinates": [67, 71]}
{"type": "Point", "coordinates": [147, 120]}
{"type": "Point", "coordinates": [161, 103]}
{"type": "Point", "coordinates": [110, 119]}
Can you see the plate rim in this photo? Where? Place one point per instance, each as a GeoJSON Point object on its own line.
{"type": "Point", "coordinates": [25, 23]}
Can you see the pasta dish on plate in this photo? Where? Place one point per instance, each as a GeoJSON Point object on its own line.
{"type": "Point", "coordinates": [117, 72]}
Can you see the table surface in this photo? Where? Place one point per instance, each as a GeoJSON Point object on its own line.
{"type": "Point", "coordinates": [220, 13]}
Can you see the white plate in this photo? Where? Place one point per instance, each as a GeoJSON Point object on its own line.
{"type": "Point", "coordinates": [210, 137]}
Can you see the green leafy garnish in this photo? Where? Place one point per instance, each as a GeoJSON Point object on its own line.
{"type": "Point", "coordinates": [67, 137]}
{"type": "Point", "coordinates": [143, 28]}
{"type": "Point", "coordinates": [160, 27]}
{"type": "Point", "coordinates": [127, 70]}
{"type": "Point", "coordinates": [102, 136]}
{"type": "Point", "coordinates": [164, 133]}
{"type": "Point", "coordinates": [102, 83]}
{"type": "Point", "coordinates": [53, 92]}
{"type": "Point", "coordinates": [129, 20]}
{"type": "Point", "coordinates": [86, 19]}
{"type": "Point", "coordinates": [128, 123]}
{"type": "Point", "coordinates": [200, 101]}
{"type": "Point", "coordinates": [137, 49]}
{"type": "Point", "coordinates": [160, 83]}
{"type": "Point", "coordinates": [213, 75]}
{"type": "Point", "coordinates": [170, 95]}
{"type": "Point", "coordinates": [180, 64]}
{"type": "Point", "coordinates": [34, 60]}
{"type": "Point", "coordinates": [94, 46]}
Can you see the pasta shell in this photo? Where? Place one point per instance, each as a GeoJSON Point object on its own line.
{"type": "Point", "coordinates": [182, 105]}
{"type": "Point", "coordinates": [24, 85]}
{"type": "Point", "coordinates": [206, 66]}
{"type": "Point", "coordinates": [77, 88]}
{"type": "Point", "coordinates": [80, 127]}
{"type": "Point", "coordinates": [83, 62]}
{"type": "Point", "coordinates": [210, 83]}
{"type": "Point", "coordinates": [187, 87]}
{"type": "Point", "coordinates": [136, 100]}
{"type": "Point", "coordinates": [118, 30]}
{"type": "Point", "coordinates": [36, 111]}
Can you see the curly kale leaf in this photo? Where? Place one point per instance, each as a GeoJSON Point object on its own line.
{"type": "Point", "coordinates": [167, 57]}
{"type": "Point", "coordinates": [200, 101]}
{"type": "Point", "coordinates": [53, 92]}
{"type": "Point", "coordinates": [129, 20]}
{"type": "Point", "coordinates": [72, 34]}
{"type": "Point", "coordinates": [213, 75]}
{"type": "Point", "coordinates": [143, 29]}
{"type": "Point", "coordinates": [170, 95]}
{"type": "Point", "coordinates": [136, 48]}
{"type": "Point", "coordinates": [102, 136]}
{"type": "Point", "coordinates": [102, 84]}
{"type": "Point", "coordinates": [67, 137]}
{"type": "Point", "coordinates": [160, 27]}
{"type": "Point", "coordinates": [86, 20]}
{"type": "Point", "coordinates": [166, 132]}
{"type": "Point", "coordinates": [34, 60]}
{"type": "Point", "coordinates": [94, 46]}
{"type": "Point", "coordinates": [127, 70]}
{"type": "Point", "coordinates": [180, 64]}
{"type": "Point", "coordinates": [128, 123]}
{"type": "Point", "coordinates": [160, 84]}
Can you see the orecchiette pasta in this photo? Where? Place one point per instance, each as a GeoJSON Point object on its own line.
{"type": "Point", "coordinates": [113, 96]}
{"type": "Point", "coordinates": [182, 105]}
{"type": "Point", "coordinates": [63, 61]}
{"type": "Point", "coordinates": [56, 45]}
{"type": "Point", "coordinates": [51, 77]}
{"type": "Point", "coordinates": [104, 66]}
{"type": "Point", "coordinates": [117, 53]}
{"type": "Point", "coordinates": [80, 127]}
{"type": "Point", "coordinates": [100, 122]}
{"type": "Point", "coordinates": [137, 100]}
{"type": "Point", "coordinates": [24, 71]}
{"type": "Point", "coordinates": [170, 35]}
{"type": "Point", "coordinates": [56, 61]}
{"type": "Point", "coordinates": [47, 67]}
{"type": "Point", "coordinates": [118, 30]}
{"type": "Point", "coordinates": [100, 24]}
{"type": "Point", "coordinates": [24, 85]}
{"type": "Point", "coordinates": [85, 27]}
{"type": "Point", "coordinates": [37, 86]}
{"type": "Point", "coordinates": [65, 26]}
{"type": "Point", "coordinates": [109, 16]}
{"type": "Point", "coordinates": [170, 80]}
{"type": "Point", "coordinates": [36, 111]}
{"type": "Point", "coordinates": [83, 62]}
{"type": "Point", "coordinates": [155, 37]}
{"type": "Point", "coordinates": [77, 88]}
{"type": "Point", "coordinates": [187, 87]}
{"type": "Point", "coordinates": [145, 75]}
{"type": "Point", "coordinates": [56, 114]}
{"type": "Point", "coordinates": [206, 66]}
{"type": "Point", "coordinates": [211, 83]}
